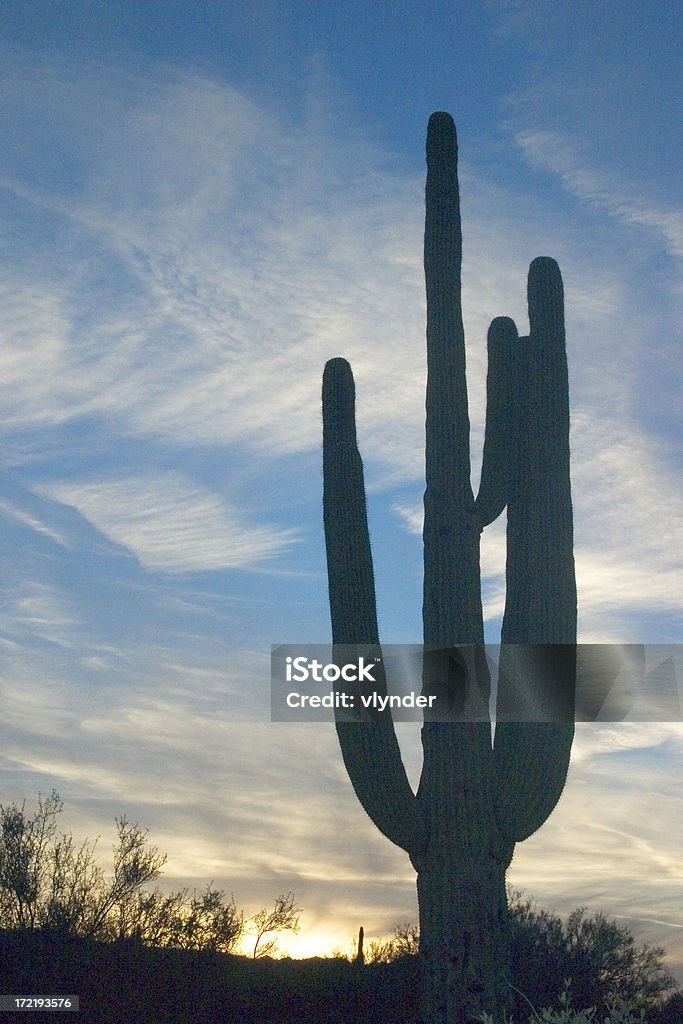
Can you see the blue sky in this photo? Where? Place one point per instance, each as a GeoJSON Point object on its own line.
{"type": "Point", "coordinates": [202, 203]}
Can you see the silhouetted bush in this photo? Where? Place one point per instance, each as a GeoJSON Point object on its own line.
{"type": "Point", "coordinates": [599, 956]}
{"type": "Point", "coordinates": [284, 917]}
{"type": "Point", "coordinates": [49, 883]}
{"type": "Point", "coordinates": [404, 941]}
{"type": "Point", "coordinates": [670, 1011]}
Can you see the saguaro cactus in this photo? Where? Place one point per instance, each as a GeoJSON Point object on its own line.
{"type": "Point", "coordinates": [476, 798]}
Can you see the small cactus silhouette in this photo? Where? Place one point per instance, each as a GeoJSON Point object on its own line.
{"type": "Point", "coordinates": [476, 798]}
{"type": "Point", "coordinates": [360, 956]}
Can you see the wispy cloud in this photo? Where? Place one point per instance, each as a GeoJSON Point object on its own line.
{"type": "Point", "coordinates": [171, 524]}
{"type": "Point", "coordinates": [201, 274]}
{"type": "Point", "coordinates": [38, 610]}
{"type": "Point", "coordinates": [33, 522]}
{"type": "Point", "coordinates": [552, 152]}
{"type": "Point", "coordinates": [613, 823]}
{"type": "Point", "coordinates": [629, 526]}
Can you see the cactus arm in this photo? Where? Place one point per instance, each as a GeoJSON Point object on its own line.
{"type": "Point", "coordinates": [502, 403]}
{"type": "Point", "coordinates": [541, 590]}
{"type": "Point", "coordinates": [350, 571]}
{"type": "Point", "coordinates": [370, 750]}
{"type": "Point", "coordinates": [531, 758]}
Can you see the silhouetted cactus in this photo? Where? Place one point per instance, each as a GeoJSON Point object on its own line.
{"type": "Point", "coordinates": [475, 799]}
{"type": "Point", "coordinates": [360, 956]}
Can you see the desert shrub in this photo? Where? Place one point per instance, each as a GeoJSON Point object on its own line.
{"type": "Point", "coordinates": [283, 917]}
{"type": "Point", "coordinates": [670, 1011]}
{"type": "Point", "coordinates": [404, 941]}
{"type": "Point", "coordinates": [181, 921]}
{"type": "Point", "coordinates": [49, 882]}
{"type": "Point", "coordinates": [607, 970]}
{"type": "Point", "coordinates": [617, 1010]}
{"type": "Point", "coordinates": [600, 957]}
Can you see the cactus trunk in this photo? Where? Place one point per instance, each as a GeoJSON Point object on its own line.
{"type": "Point", "coordinates": [463, 935]}
{"type": "Point", "coordinates": [475, 799]}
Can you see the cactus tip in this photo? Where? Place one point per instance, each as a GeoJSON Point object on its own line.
{"type": "Point", "coordinates": [543, 267]}
{"type": "Point", "coordinates": [503, 325]}
{"type": "Point", "coordinates": [337, 366]}
{"type": "Point", "coordinates": [442, 139]}
{"type": "Point", "coordinates": [440, 119]}
{"type": "Point", "coordinates": [337, 375]}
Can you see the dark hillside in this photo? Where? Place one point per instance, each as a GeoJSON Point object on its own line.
{"type": "Point", "coordinates": [125, 983]}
